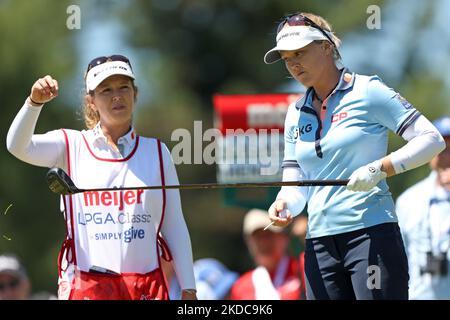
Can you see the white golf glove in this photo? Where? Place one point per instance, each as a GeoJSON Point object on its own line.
{"type": "Point", "coordinates": [366, 177]}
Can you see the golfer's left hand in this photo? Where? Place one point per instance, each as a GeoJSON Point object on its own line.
{"type": "Point", "coordinates": [366, 177]}
{"type": "Point", "coordinates": [279, 214]}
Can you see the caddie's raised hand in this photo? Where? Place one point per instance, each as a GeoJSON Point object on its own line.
{"type": "Point", "coordinates": [367, 177]}
{"type": "Point", "coordinates": [44, 90]}
{"type": "Point", "coordinates": [279, 215]}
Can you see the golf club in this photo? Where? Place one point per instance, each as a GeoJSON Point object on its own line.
{"type": "Point", "coordinates": [59, 182]}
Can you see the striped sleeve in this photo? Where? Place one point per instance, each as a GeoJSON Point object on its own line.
{"type": "Point", "coordinates": [290, 164]}
{"type": "Point", "coordinates": [389, 108]}
{"type": "Point", "coordinates": [408, 121]}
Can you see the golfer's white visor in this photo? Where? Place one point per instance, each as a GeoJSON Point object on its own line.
{"type": "Point", "coordinates": [293, 38]}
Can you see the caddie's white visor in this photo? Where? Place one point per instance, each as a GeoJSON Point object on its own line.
{"type": "Point", "coordinates": [293, 38]}
{"type": "Point", "coordinates": [99, 73]}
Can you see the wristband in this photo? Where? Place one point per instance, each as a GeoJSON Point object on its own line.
{"type": "Point", "coordinates": [34, 102]}
{"type": "Point", "coordinates": [190, 291]}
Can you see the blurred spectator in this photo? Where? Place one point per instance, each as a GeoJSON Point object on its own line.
{"type": "Point", "coordinates": [276, 275]}
{"type": "Point", "coordinates": [213, 279]}
{"type": "Point", "coordinates": [424, 217]}
{"type": "Point", "coordinates": [14, 282]}
{"type": "Point", "coordinates": [43, 295]}
{"type": "Point", "coordinates": [298, 230]}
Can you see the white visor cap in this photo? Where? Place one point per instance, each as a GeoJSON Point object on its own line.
{"type": "Point", "coordinates": [110, 68]}
{"type": "Point", "coordinates": [293, 38]}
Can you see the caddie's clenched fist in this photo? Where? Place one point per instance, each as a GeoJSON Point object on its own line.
{"type": "Point", "coordinates": [44, 90]}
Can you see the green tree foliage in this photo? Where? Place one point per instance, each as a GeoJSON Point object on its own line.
{"type": "Point", "coordinates": [35, 42]}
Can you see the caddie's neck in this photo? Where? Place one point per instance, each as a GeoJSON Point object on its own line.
{"type": "Point", "coordinates": [113, 133]}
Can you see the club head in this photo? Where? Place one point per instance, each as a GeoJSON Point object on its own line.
{"type": "Point", "coordinates": [59, 182]}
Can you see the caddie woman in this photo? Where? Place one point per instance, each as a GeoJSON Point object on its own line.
{"type": "Point", "coordinates": [115, 240]}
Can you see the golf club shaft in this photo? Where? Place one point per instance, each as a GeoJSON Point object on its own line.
{"type": "Point", "coordinates": [303, 183]}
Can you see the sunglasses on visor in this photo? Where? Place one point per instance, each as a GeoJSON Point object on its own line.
{"type": "Point", "coordinates": [100, 60]}
{"type": "Point", "coordinates": [298, 19]}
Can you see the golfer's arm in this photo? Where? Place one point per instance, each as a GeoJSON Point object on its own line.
{"type": "Point", "coordinates": [174, 229]}
{"type": "Point", "coordinates": [424, 142]}
{"type": "Point", "coordinates": [45, 150]}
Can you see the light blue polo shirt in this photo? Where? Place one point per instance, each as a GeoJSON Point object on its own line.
{"type": "Point", "coordinates": [353, 132]}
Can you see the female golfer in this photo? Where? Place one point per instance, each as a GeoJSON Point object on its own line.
{"type": "Point", "coordinates": [115, 239]}
{"type": "Point", "coordinates": [339, 130]}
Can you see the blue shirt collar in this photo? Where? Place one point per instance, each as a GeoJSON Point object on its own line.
{"type": "Point", "coordinates": [346, 81]}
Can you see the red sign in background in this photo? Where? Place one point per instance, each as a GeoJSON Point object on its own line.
{"type": "Point", "coordinates": [260, 111]}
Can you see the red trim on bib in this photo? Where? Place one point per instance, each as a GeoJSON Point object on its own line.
{"type": "Point", "coordinates": [161, 243]}
{"type": "Point", "coordinates": [68, 246]}
{"type": "Point", "coordinates": [165, 251]}
{"type": "Point", "coordinates": [112, 160]}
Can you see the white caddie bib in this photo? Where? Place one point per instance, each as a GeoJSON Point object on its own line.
{"type": "Point", "coordinates": [114, 231]}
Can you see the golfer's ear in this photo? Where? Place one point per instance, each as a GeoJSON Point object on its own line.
{"type": "Point", "coordinates": [327, 46]}
{"type": "Point", "coordinates": [89, 101]}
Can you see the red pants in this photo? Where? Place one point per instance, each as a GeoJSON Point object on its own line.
{"type": "Point", "coordinates": [95, 286]}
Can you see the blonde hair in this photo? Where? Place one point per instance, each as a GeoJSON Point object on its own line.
{"type": "Point", "coordinates": [326, 26]}
{"type": "Point", "coordinates": [92, 117]}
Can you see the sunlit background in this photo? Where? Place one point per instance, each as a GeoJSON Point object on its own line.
{"type": "Point", "coordinates": [183, 52]}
